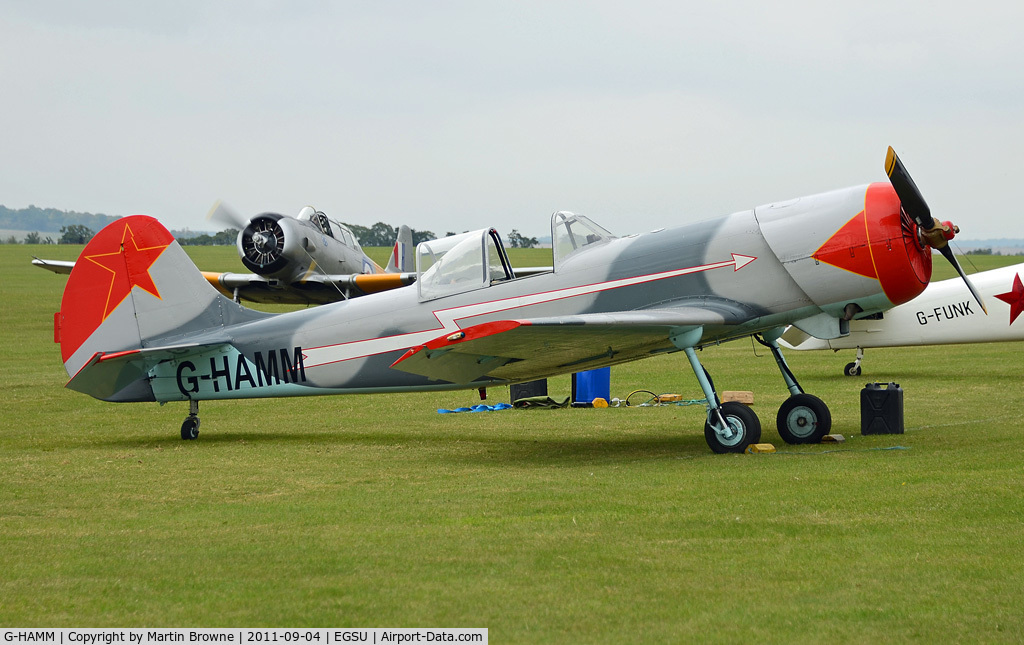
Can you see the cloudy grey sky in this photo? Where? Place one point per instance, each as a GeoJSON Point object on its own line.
{"type": "Point", "coordinates": [450, 116]}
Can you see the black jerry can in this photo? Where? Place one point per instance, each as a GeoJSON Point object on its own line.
{"type": "Point", "coordinates": [881, 409]}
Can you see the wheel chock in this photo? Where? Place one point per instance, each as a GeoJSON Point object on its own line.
{"type": "Point", "coordinates": [760, 448]}
{"type": "Point", "coordinates": [739, 396]}
{"type": "Point", "coordinates": [833, 438]}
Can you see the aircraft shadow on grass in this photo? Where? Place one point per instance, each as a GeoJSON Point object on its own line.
{"type": "Point", "coordinates": [481, 448]}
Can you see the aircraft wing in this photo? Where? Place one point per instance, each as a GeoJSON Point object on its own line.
{"type": "Point", "coordinates": [316, 289]}
{"type": "Point", "coordinates": [527, 349]}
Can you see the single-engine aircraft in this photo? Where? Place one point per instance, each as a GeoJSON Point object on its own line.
{"type": "Point", "coordinates": [308, 259]}
{"type": "Point", "coordinates": [139, 323]}
{"type": "Point", "coordinates": [942, 315]}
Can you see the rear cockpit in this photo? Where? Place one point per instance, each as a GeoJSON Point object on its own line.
{"type": "Point", "coordinates": [461, 263]}
{"type": "Point", "coordinates": [328, 226]}
{"type": "Point", "coordinates": [474, 260]}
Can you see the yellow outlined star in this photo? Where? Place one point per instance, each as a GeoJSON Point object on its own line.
{"type": "Point", "coordinates": [129, 267]}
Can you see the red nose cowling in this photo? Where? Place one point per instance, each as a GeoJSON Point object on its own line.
{"type": "Point", "coordinates": [881, 243]}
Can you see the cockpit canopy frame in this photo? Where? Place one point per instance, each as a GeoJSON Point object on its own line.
{"type": "Point", "coordinates": [329, 226]}
{"type": "Point", "coordinates": [461, 263]}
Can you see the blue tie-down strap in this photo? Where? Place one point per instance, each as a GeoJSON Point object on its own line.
{"type": "Point", "coordinates": [477, 408]}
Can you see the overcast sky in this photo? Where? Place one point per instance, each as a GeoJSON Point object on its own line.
{"type": "Point", "coordinates": [450, 116]}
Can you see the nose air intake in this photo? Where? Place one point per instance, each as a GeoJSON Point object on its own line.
{"type": "Point", "coordinates": [261, 244]}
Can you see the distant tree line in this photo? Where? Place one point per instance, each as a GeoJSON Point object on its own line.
{"type": "Point", "coordinates": [381, 234]}
{"type": "Point", "coordinates": [226, 237]}
{"type": "Point", "coordinates": [73, 234]}
{"type": "Point", "coordinates": [49, 220]}
{"type": "Point", "coordinates": [79, 228]}
{"type": "Point", "coordinates": [518, 241]}
{"type": "Point", "coordinates": [515, 239]}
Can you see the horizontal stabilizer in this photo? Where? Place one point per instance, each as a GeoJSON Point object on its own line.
{"type": "Point", "coordinates": [57, 266]}
{"type": "Point", "coordinates": [124, 376]}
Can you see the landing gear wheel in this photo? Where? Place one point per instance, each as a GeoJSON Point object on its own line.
{"type": "Point", "coordinates": [852, 369]}
{"type": "Point", "coordinates": [744, 429]}
{"type": "Point", "coordinates": [804, 418]}
{"type": "Point", "coordinates": [190, 428]}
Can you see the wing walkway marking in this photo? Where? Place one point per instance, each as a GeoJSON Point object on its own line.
{"type": "Point", "coordinates": [448, 318]}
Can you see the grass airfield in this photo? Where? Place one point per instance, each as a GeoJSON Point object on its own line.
{"type": "Point", "coordinates": [543, 526]}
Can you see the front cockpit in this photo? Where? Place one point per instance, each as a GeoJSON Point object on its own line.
{"type": "Point", "coordinates": [572, 234]}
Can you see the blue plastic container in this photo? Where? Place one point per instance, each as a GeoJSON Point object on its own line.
{"type": "Point", "coordinates": [590, 385]}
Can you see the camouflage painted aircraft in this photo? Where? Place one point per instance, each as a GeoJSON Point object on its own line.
{"type": "Point", "coordinates": [309, 260]}
{"type": "Point", "coordinates": [942, 315]}
{"type": "Point", "coordinates": [139, 323]}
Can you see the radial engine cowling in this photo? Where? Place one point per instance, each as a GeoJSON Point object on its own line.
{"type": "Point", "coordinates": [863, 250]}
{"type": "Point", "coordinates": [261, 244]}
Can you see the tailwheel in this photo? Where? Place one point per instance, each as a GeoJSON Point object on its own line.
{"type": "Point", "coordinates": [742, 428]}
{"type": "Point", "coordinates": [853, 369]}
{"type": "Point", "coordinates": [190, 428]}
{"type": "Point", "coordinates": [804, 418]}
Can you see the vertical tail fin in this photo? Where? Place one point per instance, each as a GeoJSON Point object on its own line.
{"type": "Point", "coordinates": [401, 260]}
{"type": "Point", "coordinates": [131, 285]}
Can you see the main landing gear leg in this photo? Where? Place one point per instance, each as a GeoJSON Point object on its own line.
{"type": "Point", "coordinates": [731, 426]}
{"type": "Point", "coordinates": [802, 418]}
{"type": "Point", "coordinates": [853, 369]}
{"type": "Point", "coordinates": [190, 428]}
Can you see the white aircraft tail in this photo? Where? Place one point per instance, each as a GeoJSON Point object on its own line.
{"type": "Point", "coordinates": [133, 289]}
{"type": "Point", "coordinates": [402, 260]}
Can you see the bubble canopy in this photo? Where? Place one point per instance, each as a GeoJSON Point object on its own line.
{"type": "Point", "coordinates": [460, 263]}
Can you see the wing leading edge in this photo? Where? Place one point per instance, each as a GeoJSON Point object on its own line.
{"type": "Point", "coordinates": [316, 289]}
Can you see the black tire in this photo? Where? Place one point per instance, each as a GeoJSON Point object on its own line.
{"type": "Point", "coordinates": [803, 418]}
{"type": "Point", "coordinates": [743, 421]}
{"type": "Point", "coordinates": [852, 369]}
{"type": "Point", "coordinates": [190, 428]}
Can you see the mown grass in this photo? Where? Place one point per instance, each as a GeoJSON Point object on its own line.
{"type": "Point", "coordinates": [543, 526]}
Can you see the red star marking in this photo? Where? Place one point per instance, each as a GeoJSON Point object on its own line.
{"type": "Point", "coordinates": [129, 267]}
{"type": "Point", "coordinates": [1014, 298]}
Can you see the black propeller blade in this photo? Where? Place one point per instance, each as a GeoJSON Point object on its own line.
{"type": "Point", "coordinates": [910, 196]}
{"type": "Point", "coordinates": [931, 231]}
{"type": "Point", "coordinates": [948, 254]}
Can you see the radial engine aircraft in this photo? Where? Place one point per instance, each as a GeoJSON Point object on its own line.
{"type": "Point", "coordinates": [309, 259]}
{"type": "Point", "coordinates": [139, 323]}
{"type": "Point", "coordinates": [942, 315]}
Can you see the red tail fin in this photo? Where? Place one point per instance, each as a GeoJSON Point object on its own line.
{"type": "Point", "coordinates": [116, 261]}
{"type": "Point", "coordinates": [134, 287]}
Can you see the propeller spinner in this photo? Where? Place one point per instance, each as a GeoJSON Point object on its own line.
{"type": "Point", "coordinates": [260, 240]}
{"type": "Point", "coordinates": [930, 231]}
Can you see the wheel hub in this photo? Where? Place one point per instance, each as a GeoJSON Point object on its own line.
{"type": "Point", "coordinates": [801, 421]}
{"type": "Point", "coordinates": [730, 432]}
